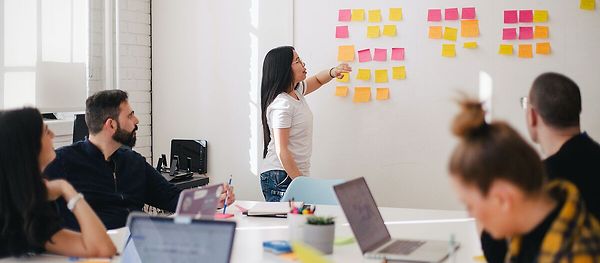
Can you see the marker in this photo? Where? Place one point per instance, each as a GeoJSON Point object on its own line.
{"type": "Point", "coordinates": [227, 194]}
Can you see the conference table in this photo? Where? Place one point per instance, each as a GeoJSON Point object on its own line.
{"type": "Point", "coordinates": [401, 222]}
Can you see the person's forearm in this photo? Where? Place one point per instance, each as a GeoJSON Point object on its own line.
{"type": "Point", "coordinates": [324, 76]}
{"type": "Point", "coordinates": [289, 165]}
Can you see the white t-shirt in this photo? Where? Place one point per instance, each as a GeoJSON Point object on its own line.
{"type": "Point", "coordinates": [287, 112]}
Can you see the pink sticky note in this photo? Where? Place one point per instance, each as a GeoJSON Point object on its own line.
{"type": "Point", "coordinates": [341, 32]}
{"type": "Point", "coordinates": [380, 54]}
{"type": "Point", "coordinates": [509, 33]}
{"type": "Point", "coordinates": [510, 17]}
{"type": "Point", "coordinates": [398, 53]}
{"type": "Point", "coordinates": [525, 16]}
{"type": "Point", "coordinates": [434, 15]}
{"type": "Point", "coordinates": [468, 13]}
{"type": "Point", "coordinates": [364, 55]}
{"type": "Point", "coordinates": [525, 32]}
{"type": "Point", "coordinates": [344, 15]}
{"type": "Point", "coordinates": [451, 13]}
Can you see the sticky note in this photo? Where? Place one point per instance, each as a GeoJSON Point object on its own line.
{"type": "Point", "coordinates": [398, 53]}
{"type": "Point", "coordinates": [383, 94]}
{"type": "Point", "coordinates": [509, 33]}
{"type": "Point", "coordinates": [542, 48]}
{"type": "Point", "coordinates": [540, 16]}
{"type": "Point", "coordinates": [434, 15]}
{"type": "Point", "coordinates": [373, 32]}
{"type": "Point", "coordinates": [364, 55]}
{"type": "Point", "coordinates": [510, 17]}
{"type": "Point", "coordinates": [381, 75]}
{"type": "Point", "coordinates": [505, 49]}
{"type": "Point", "coordinates": [361, 94]}
{"type": "Point", "coordinates": [451, 13]}
{"type": "Point", "coordinates": [470, 45]}
{"type": "Point", "coordinates": [435, 32]}
{"type": "Point", "coordinates": [399, 72]}
{"type": "Point", "coordinates": [468, 13]}
{"type": "Point", "coordinates": [358, 15]}
{"type": "Point", "coordinates": [448, 50]}
{"type": "Point", "coordinates": [346, 53]}
{"type": "Point", "coordinates": [341, 32]}
{"type": "Point", "coordinates": [375, 16]}
{"type": "Point", "coordinates": [345, 77]}
{"type": "Point", "coordinates": [525, 16]}
{"type": "Point", "coordinates": [587, 4]}
{"type": "Point", "coordinates": [363, 74]}
{"type": "Point", "coordinates": [344, 15]}
{"type": "Point", "coordinates": [469, 28]}
{"type": "Point", "coordinates": [450, 33]}
{"type": "Point", "coordinates": [525, 51]}
{"type": "Point", "coordinates": [541, 32]}
{"type": "Point", "coordinates": [395, 14]}
{"type": "Point", "coordinates": [525, 32]}
{"type": "Point", "coordinates": [380, 54]}
{"type": "Point", "coordinates": [389, 30]}
{"type": "Point", "coordinates": [341, 91]}
{"type": "Point", "coordinates": [306, 253]}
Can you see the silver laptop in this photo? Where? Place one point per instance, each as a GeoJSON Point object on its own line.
{"type": "Point", "coordinates": [199, 202]}
{"type": "Point", "coordinates": [371, 233]}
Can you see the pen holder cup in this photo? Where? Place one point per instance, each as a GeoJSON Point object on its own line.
{"type": "Point", "coordinates": [296, 223]}
{"type": "Point", "coordinates": [320, 237]}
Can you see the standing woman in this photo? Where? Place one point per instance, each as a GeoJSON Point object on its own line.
{"type": "Point", "coordinates": [287, 119]}
{"type": "Point", "coordinates": [29, 222]}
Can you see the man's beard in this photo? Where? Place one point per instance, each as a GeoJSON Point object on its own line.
{"type": "Point", "coordinates": [124, 137]}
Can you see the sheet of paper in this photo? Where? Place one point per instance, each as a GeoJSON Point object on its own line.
{"type": "Point", "coordinates": [344, 15]}
{"type": "Point", "coordinates": [383, 94]}
{"type": "Point", "coordinates": [362, 94]}
{"type": "Point", "coordinates": [381, 76]}
{"type": "Point", "coordinates": [364, 55]}
{"type": "Point", "coordinates": [380, 54]}
{"type": "Point", "coordinates": [448, 50]}
{"type": "Point", "coordinates": [542, 48]}
{"type": "Point", "coordinates": [374, 16]}
{"type": "Point", "coordinates": [525, 32]}
{"type": "Point", "coordinates": [399, 72]}
{"type": "Point", "coordinates": [341, 32]}
{"type": "Point", "coordinates": [468, 13]}
{"type": "Point", "coordinates": [345, 77]}
{"type": "Point", "coordinates": [363, 74]}
{"type": "Point", "coordinates": [450, 33]}
{"type": "Point", "coordinates": [470, 45]}
{"type": "Point", "coordinates": [341, 91]}
{"type": "Point", "coordinates": [510, 17]}
{"type": "Point", "coordinates": [373, 32]}
{"type": "Point", "coordinates": [358, 15]}
{"type": "Point", "coordinates": [525, 51]}
{"type": "Point", "coordinates": [469, 28]}
{"type": "Point", "coordinates": [509, 33]}
{"type": "Point", "coordinates": [395, 14]}
{"type": "Point", "coordinates": [505, 49]}
{"type": "Point", "coordinates": [435, 32]}
{"type": "Point", "coordinates": [541, 32]}
{"type": "Point", "coordinates": [389, 30]}
{"type": "Point", "coordinates": [451, 13]}
{"type": "Point", "coordinates": [346, 53]}
{"type": "Point", "coordinates": [398, 53]}
{"type": "Point", "coordinates": [540, 16]}
{"type": "Point", "coordinates": [434, 15]}
{"type": "Point", "coordinates": [525, 16]}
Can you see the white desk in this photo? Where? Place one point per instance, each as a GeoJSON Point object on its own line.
{"type": "Point", "coordinates": [401, 222]}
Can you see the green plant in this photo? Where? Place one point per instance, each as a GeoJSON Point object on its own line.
{"type": "Point", "coordinates": [320, 220]}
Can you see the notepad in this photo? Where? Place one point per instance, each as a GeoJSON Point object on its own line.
{"type": "Point", "coordinates": [272, 209]}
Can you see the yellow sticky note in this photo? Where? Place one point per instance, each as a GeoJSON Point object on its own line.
{"type": "Point", "coordinates": [345, 77]}
{"type": "Point", "coordinates": [540, 32]}
{"type": "Point", "coordinates": [373, 31]}
{"type": "Point", "coordinates": [346, 53]}
{"type": "Point", "coordinates": [469, 28]}
{"type": "Point", "coordinates": [470, 45]}
{"type": "Point", "coordinates": [540, 16]}
{"type": "Point", "coordinates": [448, 50]}
{"type": "Point", "coordinates": [395, 14]}
{"type": "Point", "coordinates": [525, 51]}
{"type": "Point", "coordinates": [358, 15]}
{"type": "Point", "coordinates": [363, 74]}
{"type": "Point", "coordinates": [587, 4]}
{"type": "Point", "coordinates": [389, 30]}
{"type": "Point", "coordinates": [399, 72]}
{"type": "Point", "coordinates": [375, 16]}
{"type": "Point", "coordinates": [383, 94]}
{"type": "Point", "coordinates": [542, 48]}
{"type": "Point", "coordinates": [341, 91]}
{"type": "Point", "coordinates": [435, 32]}
{"type": "Point", "coordinates": [381, 75]}
{"type": "Point", "coordinates": [362, 94]}
{"type": "Point", "coordinates": [306, 253]}
{"type": "Point", "coordinates": [450, 33]}
{"type": "Point", "coordinates": [505, 49]}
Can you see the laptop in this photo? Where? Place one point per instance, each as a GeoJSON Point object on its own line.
{"type": "Point", "coordinates": [177, 239]}
{"type": "Point", "coordinates": [199, 202]}
{"type": "Point", "coordinates": [371, 233]}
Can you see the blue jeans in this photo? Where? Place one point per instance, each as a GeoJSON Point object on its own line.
{"type": "Point", "coordinates": [274, 183]}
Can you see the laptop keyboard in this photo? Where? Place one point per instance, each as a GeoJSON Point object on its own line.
{"type": "Point", "coordinates": [402, 247]}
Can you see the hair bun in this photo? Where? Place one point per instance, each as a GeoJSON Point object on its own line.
{"type": "Point", "coordinates": [470, 120]}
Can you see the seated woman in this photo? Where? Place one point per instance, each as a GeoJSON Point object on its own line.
{"type": "Point", "coordinates": [28, 219]}
{"type": "Point", "coordinates": [500, 179]}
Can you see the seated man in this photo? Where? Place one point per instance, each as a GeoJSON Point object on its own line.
{"type": "Point", "coordinates": [115, 181]}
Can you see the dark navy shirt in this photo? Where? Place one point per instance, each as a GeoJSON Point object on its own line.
{"type": "Point", "coordinates": [113, 188]}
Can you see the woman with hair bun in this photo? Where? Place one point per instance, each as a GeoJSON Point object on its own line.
{"type": "Point", "coordinates": [501, 180]}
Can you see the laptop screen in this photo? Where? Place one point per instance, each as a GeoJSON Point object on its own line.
{"type": "Point", "coordinates": [361, 210]}
{"type": "Point", "coordinates": [160, 239]}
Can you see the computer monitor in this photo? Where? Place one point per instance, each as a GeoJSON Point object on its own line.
{"type": "Point", "coordinates": [194, 149]}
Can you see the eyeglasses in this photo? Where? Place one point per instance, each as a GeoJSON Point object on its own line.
{"type": "Point", "coordinates": [298, 60]}
{"type": "Point", "coordinates": [524, 102]}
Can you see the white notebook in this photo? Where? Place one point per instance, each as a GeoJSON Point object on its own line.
{"type": "Point", "coordinates": [274, 209]}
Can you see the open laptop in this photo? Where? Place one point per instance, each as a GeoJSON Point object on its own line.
{"type": "Point", "coordinates": [177, 239]}
{"type": "Point", "coordinates": [371, 233]}
{"type": "Point", "coordinates": [199, 202]}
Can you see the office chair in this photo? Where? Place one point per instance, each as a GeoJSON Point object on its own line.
{"type": "Point", "coordinates": [312, 191]}
{"type": "Point", "coordinates": [80, 129]}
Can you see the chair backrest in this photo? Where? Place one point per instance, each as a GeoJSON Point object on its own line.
{"type": "Point", "coordinates": [312, 190]}
{"type": "Point", "coordinates": [80, 128]}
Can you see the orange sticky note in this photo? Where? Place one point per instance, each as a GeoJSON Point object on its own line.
{"type": "Point", "coordinates": [358, 15]}
{"type": "Point", "coordinates": [448, 50]}
{"type": "Point", "coordinates": [587, 4]}
{"type": "Point", "coordinates": [363, 74]}
{"type": "Point", "coordinates": [383, 94]}
{"type": "Point", "coordinates": [389, 30]}
{"type": "Point", "coordinates": [399, 72]}
{"type": "Point", "coordinates": [381, 76]}
{"type": "Point", "coordinates": [469, 28]}
{"type": "Point", "coordinates": [395, 14]}
{"type": "Point", "coordinates": [362, 94]}
{"type": "Point", "coordinates": [341, 91]}
{"type": "Point", "coordinates": [540, 16]}
{"type": "Point", "coordinates": [345, 77]}
{"type": "Point", "coordinates": [435, 32]}
{"type": "Point", "coordinates": [525, 51]}
{"type": "Point", "coordinates": [470, 45]}
{"type": "Point", "coordinates": [542, 48]}
{"type": "Point", "coordinates": [505, 49]}
{"type": "Point", "coordinates": [375, 16]}
{"type": "Point", "coordinates": [373, 32]}
{"type": "Point", "coordinates": [346, 53]}
{"type": "Point", "coordinates": [450, 33]}
{"type": "Point", "coordinates": [540, 32]}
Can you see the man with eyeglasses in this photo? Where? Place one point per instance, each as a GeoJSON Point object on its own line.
{"type": "Point", "coordinates": [552, 113]}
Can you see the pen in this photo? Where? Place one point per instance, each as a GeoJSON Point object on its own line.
{"type": "Point", "coordinates": [227, 194]}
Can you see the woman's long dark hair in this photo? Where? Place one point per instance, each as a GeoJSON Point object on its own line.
{"type": "Point", "coordinates": [23, 195]}
{"type": "Point", "coordinates": [277, 78]}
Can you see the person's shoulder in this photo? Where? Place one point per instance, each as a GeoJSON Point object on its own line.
{"type": "Point", "coordinates": [281, 102]}
{"type": "Point", "coordinates": [71, 148]}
